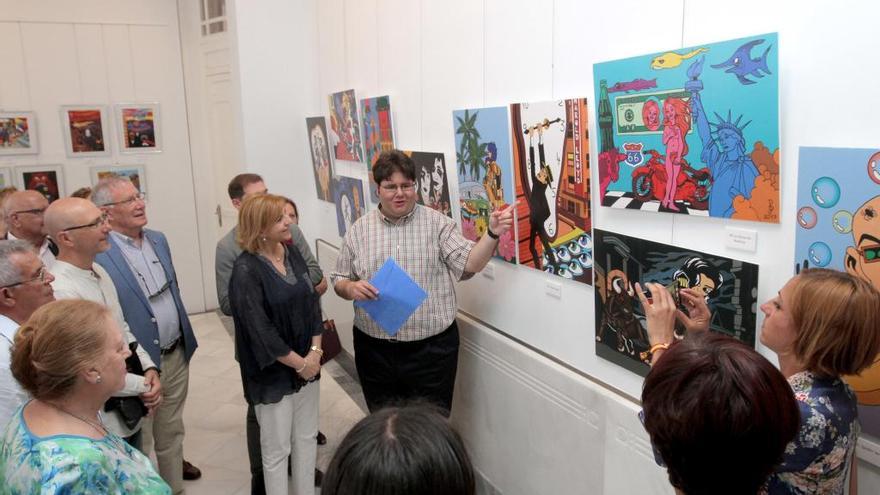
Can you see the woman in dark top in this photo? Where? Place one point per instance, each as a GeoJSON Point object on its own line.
{"type": "Point", "coordinates": [278, 341]}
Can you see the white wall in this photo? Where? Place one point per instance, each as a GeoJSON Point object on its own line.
{"type": "Point", "coordinates": [434, 56]}
{"type": "Point", "coordinates": [105, 52]}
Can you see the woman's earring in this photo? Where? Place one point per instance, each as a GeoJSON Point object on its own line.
{"type": "Point", "coordinates": [99, 379]}
{"type": "Point", "coordinates": [263, 238]}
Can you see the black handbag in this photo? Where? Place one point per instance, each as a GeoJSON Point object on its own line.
{"type": "Point", "coordinates": [131, 409]}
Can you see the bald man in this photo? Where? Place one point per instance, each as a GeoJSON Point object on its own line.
{"type": "Point", "coordinates": [80, 229]}
{"type": "Point", "coordinates": [24, 211]}
{"type": "Point", "coordinates": [863, 260]}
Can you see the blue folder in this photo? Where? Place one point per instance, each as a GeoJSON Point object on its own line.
{"type": "Point", "coordinates": [399, 297]}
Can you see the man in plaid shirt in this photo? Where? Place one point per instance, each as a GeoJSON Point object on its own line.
{"type": "Point", "coordinates": [420, 361]}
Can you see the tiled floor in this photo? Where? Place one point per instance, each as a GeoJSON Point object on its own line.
{"type": "Point", "coordinates": [215, 412]}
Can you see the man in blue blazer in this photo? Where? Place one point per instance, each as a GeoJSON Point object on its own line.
{"type": "Point", "coordinates": [139, 262]}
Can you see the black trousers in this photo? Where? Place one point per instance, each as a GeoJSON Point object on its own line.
{"type": "Point", "coordinates": [392, 371]}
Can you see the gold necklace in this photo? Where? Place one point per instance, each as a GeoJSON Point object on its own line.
{"type": "Point", "coordinates": [272, 256]}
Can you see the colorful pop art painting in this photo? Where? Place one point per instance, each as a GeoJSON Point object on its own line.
{"type": "Point", "coordinates": [377, 130]}
{"type": "Point", "coordinates": [551, 164]}
{"type": "Point", "coordinates": [432, 185]}
{"type": "Point", "coordinates": [838, 227]}
{"type": "Point", "coordinates": [485, 174]}
{"type": "Point", "coordinates": [348, 194]}
{"type": "Point", "coordinates": [730, 287]}
{"type": "Point", "coordinates": [707, 115]}
{"type": "Point", "coordinates": [345, 133]}
{"type": "Point", "coordinates": [322, 165]}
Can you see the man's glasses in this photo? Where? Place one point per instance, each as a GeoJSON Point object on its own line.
{"type": "Point", "coordinates": [97, 223]}
{"type": "Point", "coordinates": [158, 291]}
{"type": "Point", "coordinates": [138, 196]}
{"type": "Point", "coordinates": [408, 187]}
{"type": "Point", "coordinates": [41, 276]}
{"type": "Point", "coordinates": [871, 254]}
{"type": "Point", "coordinates": [33, 211]}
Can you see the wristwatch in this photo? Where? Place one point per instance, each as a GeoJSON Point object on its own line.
{"type": "Point", "coordinates": [316, 349]}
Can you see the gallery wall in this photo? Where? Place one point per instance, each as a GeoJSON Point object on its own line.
{"type": "Point", "coordinates": [433, 57]}
{"type": "Point", "coordinates": [436, 56]}
{"type": "Point", "coordinates": [102, 52]}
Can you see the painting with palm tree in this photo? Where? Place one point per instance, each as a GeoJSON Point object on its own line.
{"type": "Point", "coordinates": [485, 177]}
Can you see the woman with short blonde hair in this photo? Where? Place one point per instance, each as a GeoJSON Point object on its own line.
{"type": "Point", "coordinates": [278, 329]}
{"type": "Point", "coordinates": [70, 357]}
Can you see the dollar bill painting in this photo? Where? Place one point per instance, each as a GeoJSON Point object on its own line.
{"type": "Point", "coordinates": [707, 116]}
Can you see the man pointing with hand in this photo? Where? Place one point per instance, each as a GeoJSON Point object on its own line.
{"type": "Point", "coordinates": [420, 361]}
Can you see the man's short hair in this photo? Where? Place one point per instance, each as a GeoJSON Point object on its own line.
{"type": "Point", "coordinates": [719, 414]}
{"type": "Point", "coordinates": [393, 161]}
{"type": "Point", "coordinates": [10, 273]}
{"type": "Point", "coordinates": [399, 451]}
{"type": "Point", "coordinates": [102, 194]}
{"type": "Point", "coordinates": [239, 182]}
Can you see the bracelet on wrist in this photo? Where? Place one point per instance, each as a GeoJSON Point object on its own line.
{"type": "Point", "coordinates": [298, 371]}
{"type": "Point", "coordinates": [647, 355]}
{"type": "Point", "coordinates": [317, 349]}
{"type": "Point", "coordinates": [491, 234]}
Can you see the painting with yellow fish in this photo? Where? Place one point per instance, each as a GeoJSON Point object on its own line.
{"type": "Point", "coordinates": [706, 115]}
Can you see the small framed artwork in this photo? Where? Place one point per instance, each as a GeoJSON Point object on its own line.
{"type": "Point", "coordinates": [48, 180]}
{"type": "Point", "coordinates": [84, 131]}
{"type": "Point", "coordinates": [18, 134]}
{"type": "Point", "coordinates": [6, 179]}
{"type": "Point", "coordinates": [135, 174]}
{"type": "Point", "coordinates": [137, 125]}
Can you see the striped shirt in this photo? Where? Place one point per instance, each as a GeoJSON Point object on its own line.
{"type": "Point", "coordinates": [427, 245]}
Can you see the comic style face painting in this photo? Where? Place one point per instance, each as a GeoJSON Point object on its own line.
{"type": "Point", "coordinates": [551, 163]}
{"type": "Point", "coordinates": [838, 227]}
{"type": "Point", "coordinates": [345, 132]}
{"type": "Point", "coordinates": [730, 287]}
{"type": "Point", "coordinates": [348, 194]}
{"type": "Point", "coordinates": [44, 182]}
{"type": "Point", "coordinates": [707, 116]}
{"type": "Point", "coordinates": [485, 176]}
{"type": "Point", "coordinates": [432, 187]}
{"type": "Point", "coordinates": [377, 131]}
{"type": "Point", "coordinates": [321, 164]}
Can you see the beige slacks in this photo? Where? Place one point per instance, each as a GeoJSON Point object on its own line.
{"type": "Point", "coordinates": [165, 431]}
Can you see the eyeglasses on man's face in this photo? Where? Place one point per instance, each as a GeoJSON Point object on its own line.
{"type": "Point", "coordinates": [40, 276]}
{"type": "Point", "coordinates": [128, 201]}
{"type": "Point", "coordinates": [393, 188]}
{"type": "Point", "coordinates": [32, 211]}
{"type": "Point", "coordinates": [97, 223]}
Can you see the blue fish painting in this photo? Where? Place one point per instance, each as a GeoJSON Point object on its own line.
{"type": "Point", "coordinates": [741, 63]}
{"type": "Point", "coordinates": [678, 134]}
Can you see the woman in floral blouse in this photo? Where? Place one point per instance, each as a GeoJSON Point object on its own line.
{"type": "Point", "coordinates": [822, 325]}
{"type": "Point", "coordinates": [70, 357]}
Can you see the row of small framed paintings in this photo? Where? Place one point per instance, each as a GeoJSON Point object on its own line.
{"type": "Point", "coordinates": [49, 179]}
{"type": "Point", "coordinates": [85, 130]}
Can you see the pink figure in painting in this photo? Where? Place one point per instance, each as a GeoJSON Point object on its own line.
{"type": "Point", "coordinates": [677, 123]}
